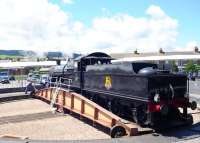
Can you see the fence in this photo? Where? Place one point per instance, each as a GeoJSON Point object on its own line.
{"type": "Point", "coordinates": [21, 81]}
{"type": "Point", "coordinates": [17, 82]}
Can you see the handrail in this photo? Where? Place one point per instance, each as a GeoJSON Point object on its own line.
{"type": "Point", "coordinates": [58, 82]}
{"type": "Point", "coordinates": [68, 84]}
{"type": "Point", "coordinates": [52, 83]}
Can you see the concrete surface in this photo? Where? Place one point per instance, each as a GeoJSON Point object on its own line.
{"type": "Point", "coordinates": [52, 127]}
{"type": "Point", "coordinates": [195, 97]}
{"type": "Point", "coordinates": [194, 87]}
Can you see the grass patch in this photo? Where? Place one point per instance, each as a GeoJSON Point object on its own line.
{"type": "Point", "coordinates": [10, 57]}
{"type": "Point", "coordinates": [20, 77]}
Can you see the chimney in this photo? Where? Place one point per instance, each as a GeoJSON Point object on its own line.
{"type": "Point", "coordinates": [161, 51]}
{"type": "Point", "coordinates": [196, 49]}
{"type": "Point", "coordinates": [136, 52]}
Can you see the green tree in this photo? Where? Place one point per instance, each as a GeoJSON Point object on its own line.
{"type": "Point", "coordinates": [174, 66]}
{"type": "Point", "coordinates": [197, 67]}
{"type": "Point", "coordinates": [190, 67]}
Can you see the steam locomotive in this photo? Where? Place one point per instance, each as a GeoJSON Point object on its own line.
{"type": "Point", "coordinates": [136, 91]}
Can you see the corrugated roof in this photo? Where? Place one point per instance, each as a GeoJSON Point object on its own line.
{"type": "Point", "coordinates": [29, 64]}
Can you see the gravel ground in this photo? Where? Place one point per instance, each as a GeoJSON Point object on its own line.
{"type": "Point", "coordinates": [55, 127]}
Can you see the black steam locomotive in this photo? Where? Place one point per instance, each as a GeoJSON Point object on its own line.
{"type": "Point", "coordinates": [133, 90]}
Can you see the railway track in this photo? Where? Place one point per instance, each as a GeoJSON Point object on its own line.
{"type": "Point", "coordinates": [10, 97]}
{"type": "Point", "coordinates": [27, 117]}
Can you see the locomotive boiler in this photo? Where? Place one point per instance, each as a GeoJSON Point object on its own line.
{"type": "Point", "coordinates": [137, 91]}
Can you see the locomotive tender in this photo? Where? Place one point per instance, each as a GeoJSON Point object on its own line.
{"type": "Point", "coordinates": [135, 91]}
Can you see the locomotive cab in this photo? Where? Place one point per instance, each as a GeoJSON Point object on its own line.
{"type": "Point", "coordinates": [92, 59]}
{"type": "Point", "coordinates": [84, 61]}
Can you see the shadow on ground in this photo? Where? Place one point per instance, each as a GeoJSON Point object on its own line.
{"type": "Point", "coordinates": [181, 133]}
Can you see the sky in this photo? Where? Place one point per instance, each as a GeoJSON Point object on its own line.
{"type": "Point", "coordinates": [110, 26]}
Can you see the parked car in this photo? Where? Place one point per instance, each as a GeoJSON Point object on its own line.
{"type": "Point", "coordinates": [35, 78]}
{"type": "Point", "coordinates": [191, 76]}
{"type": "Point", "coordinates": [11, 78]}
{"type": "Point", "coordinates": [29, 76]}
{"type": "Point", "coordinates": [4, 77]}
{"type": "Point", "coordinates": [44, 79]}
{"type": "Point", "coordinates": [4, 80]}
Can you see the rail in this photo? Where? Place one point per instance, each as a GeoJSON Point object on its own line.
{"type": "Point", "coordinates": [58, 82]}
{"type": "Point", "coordinates": [13, 84]}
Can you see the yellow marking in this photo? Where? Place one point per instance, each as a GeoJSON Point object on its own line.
{"type": "Point", "coordinates": [108, 82]}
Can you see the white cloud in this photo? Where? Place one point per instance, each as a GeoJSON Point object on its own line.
{"type": "Point", "coordinates": [123, 32]}
{"type": "Point", "coordinates": [34, 25]}
{"type": "Point", "coordinates": [155, 11]}
{"type": "Point", "coordinates": [41, 26]}
{"type": "Point", "coordinates": [188, 47]}
{"type": "Point", "coordinates": [67, 1]}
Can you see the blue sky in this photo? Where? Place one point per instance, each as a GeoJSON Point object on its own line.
{"type": "Point", "coordinates": [185, 11]}
{"type": "Point", "coordinates": [104, 25]}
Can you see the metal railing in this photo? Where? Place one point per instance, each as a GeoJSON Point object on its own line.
{"type": "Point", "coordinates": [23, 82]}
{"type": "Point", "coordinates": [14, 84]}
{"type": "Point", "coordinates": [53, 81]}
{"type": "Point", "coordinates": [60, 82]}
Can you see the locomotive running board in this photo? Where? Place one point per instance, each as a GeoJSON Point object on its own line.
{"type": "Point", "coordinates": [82, 106]}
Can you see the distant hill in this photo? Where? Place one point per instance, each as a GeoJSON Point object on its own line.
{"type": "Point", "coordinates": [17, 53]}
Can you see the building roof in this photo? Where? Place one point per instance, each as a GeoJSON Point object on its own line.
{"type": "Point", "coordinates": [131, 55]}
{"type": "Point", "coordinates": [94, 55]}
{"type": "Point", "coordinates": [157, 56]}
{"type": "Point", "coordinates": [12, 65]}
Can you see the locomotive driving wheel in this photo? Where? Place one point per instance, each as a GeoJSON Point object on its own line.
{"type": "Point", "coordinates": [140, 114]}
{"type": "Point", "coordinates": [117, 131]}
